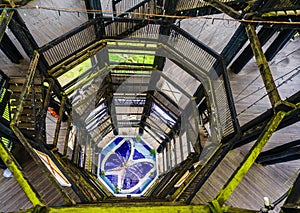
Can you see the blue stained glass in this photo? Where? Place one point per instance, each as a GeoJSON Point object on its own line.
{"type": "Point", "coordinates": [124, 151]}
{"type": "Point", "coordinates": [137, 155]}
{"type": "Point", "coordinates": [127, 167]}
{"type": "Point", "coordinates": [113, 161]}
{"type": "Point", "coordinates": [113, 179]}
{"type": "Point", "coordinates": [117, 140]}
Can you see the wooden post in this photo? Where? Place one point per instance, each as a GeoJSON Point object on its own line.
{"type": "Point", "coordinates": [263, 66]}
{"type": "Point", "coordinates": [5, 18]}
{"type": "Point", "coordinates": [44, 110]}
{"type": "Point", "coordinates": [58, 123]}
{"type": "Point", "coordinates": [69, 127]}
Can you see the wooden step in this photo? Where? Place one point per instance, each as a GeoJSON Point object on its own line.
{"type": "Point", "coordinates": [21, 80]}
{"type": "Point", "coordinates": [26, 125]}
{"type": "Point", "coordinates": [27, 105]}
{"type": "Point", "coordinates": [25, 111]}
{"type": "Point", "coordinates": [19, 88]}
{"type": "Point", "coordinates": [16, 96]}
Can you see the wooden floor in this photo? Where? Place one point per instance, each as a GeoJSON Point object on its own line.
{"type": "Point", "coordinates": [12, 197]}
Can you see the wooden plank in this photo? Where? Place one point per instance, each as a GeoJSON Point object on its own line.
{"type": "Point", "coordinates": [18, 88]}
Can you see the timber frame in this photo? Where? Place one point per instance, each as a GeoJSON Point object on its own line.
{"type": "Point", "coordinates": [102, 34]}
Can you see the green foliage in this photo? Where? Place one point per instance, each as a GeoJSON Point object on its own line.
{"type": "Point", "coordinates": [131, 58]}
{"type": "Point", "coordinates": [152, 152]}
{"type": "Point", "coordinates": [75, 72]}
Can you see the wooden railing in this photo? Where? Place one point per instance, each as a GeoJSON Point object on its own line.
{"type": "Point", "coordinates": [190, 54]}
{"type": "Point", "coordinates": [202, 62]}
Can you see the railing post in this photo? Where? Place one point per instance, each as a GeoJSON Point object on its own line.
{"type": "Point", "coordinates": [58, 123]}
{"type": "Point", "coordinates": [44, 110]}
{"type": "Point", "coordinates": [69, 127]}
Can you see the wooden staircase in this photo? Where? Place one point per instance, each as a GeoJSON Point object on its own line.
{"type": "Point", "coordinates": [32, 109]}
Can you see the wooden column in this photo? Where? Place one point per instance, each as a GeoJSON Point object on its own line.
{"type": "Point", "coordinates": [58, 123]}
{"type": "Point", "coordinates": [69, 127]}
{"type": "Point", "coordinates": [263, 66]}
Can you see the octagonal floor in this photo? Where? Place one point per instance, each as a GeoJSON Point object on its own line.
{"type": "Point", "coordinates": [127, 166]}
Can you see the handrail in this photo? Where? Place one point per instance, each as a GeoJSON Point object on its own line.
{"type": "Point", "coordinates": [194, 55]}
{"type": "Point", "coordinates": [22, 138]}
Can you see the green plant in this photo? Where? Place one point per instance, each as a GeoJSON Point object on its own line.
{"type": "Point", "coordinates": [152, 152]}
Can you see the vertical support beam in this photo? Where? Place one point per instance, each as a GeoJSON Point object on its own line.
{"type": "Point", "coordinates": [114, 2]}
{"type": "Point", "coordinates": [167, 157]}
{"type": "Point", "coordinates": [170, 153]}
{"type": "Point", "coordinates": [87, 138]}
{"type": "Point", "coordinates": [181, 148]}
{"type": "Point", "coordinates": [175, 151]}
{"type": "Point", "coordinates": [69, 127]}
{"type": "Point", "coordinates": [11, 164]}
{"type": "Point", "coordinates": [263, 66]}
{"type": "Point", "coordinates": [250, 158]}
{"type": "Point", "coordinates": [58, 123]}
{"type": "Point", "coordinates": [5, 18]}
{"type": "Point", "coordinates": [41, 126]}
{"type": "Point", "coordinates": [74, 153]}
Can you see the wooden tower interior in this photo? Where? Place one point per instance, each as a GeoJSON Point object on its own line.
{"type": "Point", "coordinates": [150, 105]}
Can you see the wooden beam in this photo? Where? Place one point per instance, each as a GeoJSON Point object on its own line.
{"type": "Point", "coordinates": [263, 66]}
{"type": "Point", "coordinates": [10, 50]}
{"type": "Point", "coordinates": [5, 18]}
{"type": "Point", "coordinates": [69, 127]}
{"type": "Point", "coordinates": [250, 158]}
{"type": "Point", "coordinates": [40, 131]}
{"type": "Point", "coordinates": [59, 120]}
{"type": "Point", "coordinates": [292, 203]}
{"type": "Point", "coordinates": [264, 35]}
{"type": "Point", "coordinates": [135, 207]}
{"type": "Point", "coordinates": [224, 8]}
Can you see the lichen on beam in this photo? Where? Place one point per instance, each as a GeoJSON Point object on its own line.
{"type": "Point", "coordinates": [263, 66]}
{"type": "Point", "coordinates": [250, 158]}
{"type": "Point", "coordinates": [224, 8]}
